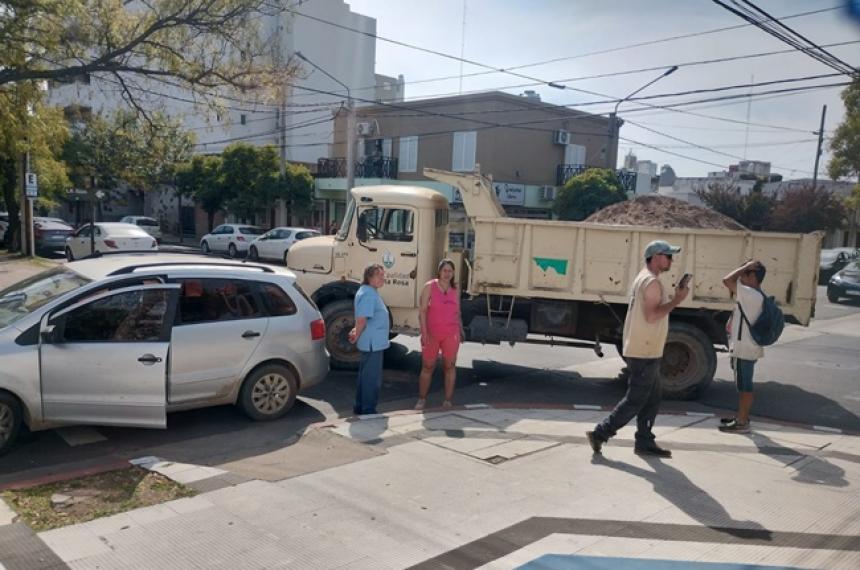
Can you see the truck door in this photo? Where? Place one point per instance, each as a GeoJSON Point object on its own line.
{"type": "Point", "coordinates": [104, 359]}
{"type": "Point", "coordinates": [387, 235]}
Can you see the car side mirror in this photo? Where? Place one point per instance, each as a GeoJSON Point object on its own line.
{"type": "Point", "coordinates": [361, 228]}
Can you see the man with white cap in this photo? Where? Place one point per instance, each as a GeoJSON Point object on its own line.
{"type": "Point", "coordinates": [645, 329]}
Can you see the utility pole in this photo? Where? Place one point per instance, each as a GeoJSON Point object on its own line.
{"type": "Point", "coordinates": [818, 151]}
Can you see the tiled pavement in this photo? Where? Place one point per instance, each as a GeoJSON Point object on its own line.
{"type": "Point", "coordinates": [499, 488]}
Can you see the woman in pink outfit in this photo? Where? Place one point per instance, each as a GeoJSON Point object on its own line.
{"type": "Point", "coordinates": [439, 316]}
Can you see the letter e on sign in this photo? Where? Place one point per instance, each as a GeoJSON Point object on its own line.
{"type": "Point", "coordinates": [31, 185]}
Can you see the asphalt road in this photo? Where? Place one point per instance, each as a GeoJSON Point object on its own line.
{"type": "Point", "coordinates": [814, 379]}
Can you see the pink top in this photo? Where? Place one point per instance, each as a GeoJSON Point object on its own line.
{"type": "Point", "coordinates": [443, 311]}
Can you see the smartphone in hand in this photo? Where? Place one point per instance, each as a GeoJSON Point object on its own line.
{"type": "Point", "coordinates": [685, 280]}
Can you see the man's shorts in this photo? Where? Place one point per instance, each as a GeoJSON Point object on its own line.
{"type": "Point", "coordinates": [448, 345]}
{"type": "Point", "coordinates": [744, 370]}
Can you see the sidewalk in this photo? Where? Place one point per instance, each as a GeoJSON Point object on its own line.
{"type": "Point", "coordinates": [494, 488]}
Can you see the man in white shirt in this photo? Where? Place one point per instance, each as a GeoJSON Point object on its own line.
{"type": "Point", "coordinates": [745, 283]}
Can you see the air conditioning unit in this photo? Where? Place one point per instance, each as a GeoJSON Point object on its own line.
{"type": "Point", "coordinates": [364, 129]}
{"type": "Point", "coordinates": [548, 193]}
{"type": "Point", "coordinates": [561, 137]}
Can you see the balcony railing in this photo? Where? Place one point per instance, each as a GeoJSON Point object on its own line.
{"type": "Point", "coordinates": [369, 167]}
{"type": "Point", "coordinates": [565, 172]}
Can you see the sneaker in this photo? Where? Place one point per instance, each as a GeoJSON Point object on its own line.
{"type": "Point", "coordinates": [419, 405]}
{"type": "Point", "coordinates": [725, 421]}
{"type": "Point", "coordinates": [594, 441]}
{"type": "Point", "coordinates": [653, 450]}
{"type": "Point", "coordinates": [447, 404]}
{"type": "Point", "coordinates": [735, 427]}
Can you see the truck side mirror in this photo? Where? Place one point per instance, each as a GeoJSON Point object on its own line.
{"type": "Point", "coordinates": [361, 227]}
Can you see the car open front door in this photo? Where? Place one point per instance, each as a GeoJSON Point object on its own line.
{"type": "Point", "coordinates": [104, 360]}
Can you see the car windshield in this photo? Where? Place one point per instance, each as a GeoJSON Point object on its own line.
{"type": "Point", "coordinates": [852, 267]}
{"type": "Point", "coordinates": [24, 297]}
{"type": "Point", "coordinates": [147, 222]}
{"type": "Point", "coordinates": [249, 231]}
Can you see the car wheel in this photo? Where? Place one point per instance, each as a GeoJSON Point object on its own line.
{"type": "Point", "coordinates": [205, 247]}
{"type": "Point", "coordinates": [832, 296]}
{"type": "Point", "coordinates": [285, 257]}
{"type": "Point", "coordinates": [231, 250]}
{"type": "Point", "coordinates": [268, 392]}
{"type": "Point", "coordinates": [253, 253]}
{"type": "Point", "coordinates": [10, 421]}
{"type": "Point", "coordinates": [69, 255]}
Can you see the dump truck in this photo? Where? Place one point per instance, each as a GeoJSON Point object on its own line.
{"type": "Point", "coordinates": [545, 282]}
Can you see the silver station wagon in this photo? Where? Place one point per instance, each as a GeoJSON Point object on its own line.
{"type": "Point", "coordinates": [123, 340]}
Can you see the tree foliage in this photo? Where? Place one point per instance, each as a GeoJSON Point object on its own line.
{"type": "Point", "coordinates": [195, 44]}
{"type": "Point", "coordinates": [199, 179]}
{"type": "Point", "coordinates": [845, 144]}
{"type": "Point", "coordinates": [808, 209]}
{"type": "Point", "coordinates": [753, 210]}
{"type": "Point", "coordinates": [28, 126]}
{"type": "Point", "coordinates": [587, 193]}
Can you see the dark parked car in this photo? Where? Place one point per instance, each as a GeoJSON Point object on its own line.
{"type": "Point", "coordinates": [832, 260]}
{"type": "Point", "coordinates": [846, 283]}
{"type": "Point", "coordinates": [51, 233]}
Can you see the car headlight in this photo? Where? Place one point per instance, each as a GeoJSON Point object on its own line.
{"type": "Point", "coordinates": [836, 278]}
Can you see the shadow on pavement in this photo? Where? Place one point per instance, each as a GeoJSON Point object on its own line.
{"type": "Point", "coordinates": [811, 470]}
{"type": "Point", "coordinates": [676, 488]}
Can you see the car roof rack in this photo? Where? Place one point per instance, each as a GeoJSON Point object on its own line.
{"type": "Point", "coordinates": [132, 268]}
{"type": "Point", "coordinates": [98, 254]}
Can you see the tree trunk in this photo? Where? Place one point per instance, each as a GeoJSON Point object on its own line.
{"type": "Point", "coordinates": [9, 178]}
{"type": "Point", "coordinates": [210, 216]}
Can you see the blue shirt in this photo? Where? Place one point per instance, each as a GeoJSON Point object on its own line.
{"type": "Point", "coordinates": [369, 304]}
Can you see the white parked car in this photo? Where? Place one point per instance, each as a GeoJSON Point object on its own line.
{"type": "Point", "coordinates": [275, 243]}
{"type": "Point", "coordinates": [149, 225]}
{"type": "Point", "coordinates": [109, 237]}
{"type": "Point", "coordinates": [232, 238]}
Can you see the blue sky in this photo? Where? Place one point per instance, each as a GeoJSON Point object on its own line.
{"type": "Point", "coordinates": [506, 33]}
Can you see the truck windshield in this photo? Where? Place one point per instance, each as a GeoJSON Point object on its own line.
{"type": "Point", "coordinates": [24, 297]}
{"type": "Point", "coordinates": [347, 220]}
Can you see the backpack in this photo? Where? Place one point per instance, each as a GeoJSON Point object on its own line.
{"type": "Point", "coordinates": [768, 326]}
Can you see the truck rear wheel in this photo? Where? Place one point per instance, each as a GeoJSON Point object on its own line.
{"type": "Point", "coordinates": [339, 319]}
{"type": "Point", "coordinates": [689, 362]}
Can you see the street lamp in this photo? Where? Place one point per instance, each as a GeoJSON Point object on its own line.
{"type": "Point", "coordinates": [613, 117]}
{"type": "Point", "coordinates": [350, 123]}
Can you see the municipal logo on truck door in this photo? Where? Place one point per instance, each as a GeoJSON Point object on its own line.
{"type": "Point", "coordinates": [388, 260]}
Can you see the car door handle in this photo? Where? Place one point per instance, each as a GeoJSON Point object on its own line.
{"type": "Point", "coordinates": [408, 254]}
{"type": "Point", "coordinates": [250, 334]}
{"type": "Point", "coordinates": [149, 359]}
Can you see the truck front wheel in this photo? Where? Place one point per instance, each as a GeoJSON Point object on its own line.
{"type": "Point", "coordinates": [339, 319]}
{"type": "Point", "coordinates": [689, 362]}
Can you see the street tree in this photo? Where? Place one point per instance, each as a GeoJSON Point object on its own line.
{"type": "Point", "coordinates": [198, 45]}
{"type": "Point", "coordinates": [200, 179]}
{"type": "Point", "coordinates": [752, 210]}
{"type": "Point", "coordinates": [297, 190]}
{"type": "Point", "coordinates": [807, 209]}
{"type": "Point", "coordinates": [845, 144]}
{"type": "Point", "coordinates": [250, 177]}
{"type": "Point", "coordinates": [27, 126]}
{"type": "Point", "coordinates": [587, 193]}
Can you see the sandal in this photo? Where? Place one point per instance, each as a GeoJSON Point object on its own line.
{"type": "Point", "coordinates": [447, 404]}
{"type": "Point", "coordinates": [419, 405]}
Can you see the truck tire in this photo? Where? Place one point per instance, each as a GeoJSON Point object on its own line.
{"type": "Point", "coordinates": [689, 362]}
{"type": "Point", "coordinates": [10, 421]}
{"type": "Point", "coordinates": [339, 319]}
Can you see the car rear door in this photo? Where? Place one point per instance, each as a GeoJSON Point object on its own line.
{"type": "Point", "coordinates": [104, 360]}
{"type": "Point", "coordinates": [218, 328]}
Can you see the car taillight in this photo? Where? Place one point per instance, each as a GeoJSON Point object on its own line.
{"type": "Point", "coordinates": [112, 244]}
{"type": "Point", "coordinates": [154, 244]}
{"type": "Point", "coordinates": [240, 238]}
{"type": "Point", "coordinates": [37, 232]}
{"type": "Point", "coordinates": [318, 329]}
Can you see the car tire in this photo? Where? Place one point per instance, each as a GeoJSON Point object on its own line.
{"type": "Point", "coordinates": [832, 296]}
{"type": "Point", "coordinates": [285, 258]}
{"type": "Point", "coordinates": [69, 255]}
{"type": "Point", "coordinates": [10, 421]}
{"type": "Point", "coordinates": [253, 254]}
{"type": "Point", "coordinates": [339, 319]}
{"type": "Point", "coordinates": [268, 392]}
{"type": "Point", "coordinates": [232, 251]}
{"type": "Point", "coordinates": [205, 247]}
{"type": "Point", "coordinates": [689, 362]}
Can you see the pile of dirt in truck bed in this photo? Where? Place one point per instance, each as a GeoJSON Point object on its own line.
{"type": "Point", "coordinates": [663, 212]}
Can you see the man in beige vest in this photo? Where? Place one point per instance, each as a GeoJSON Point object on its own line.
{"type": "Point", "coordinates": [645, 330]}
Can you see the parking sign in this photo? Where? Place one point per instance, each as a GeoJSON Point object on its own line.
{"type": "Point", "coordinates": [31, 185]}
